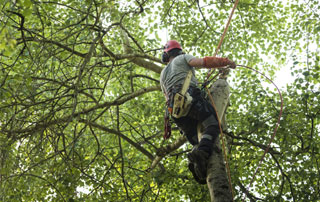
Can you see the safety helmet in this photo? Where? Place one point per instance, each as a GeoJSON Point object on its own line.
{"type": "Point", "coordinates": [172, 44]}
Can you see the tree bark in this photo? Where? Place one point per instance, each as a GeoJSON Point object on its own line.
{"type": "Point", "coordinates": [217, 179]}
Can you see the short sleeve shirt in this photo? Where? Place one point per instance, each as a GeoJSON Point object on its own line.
{"type": "Point", "coordinates": [175, 73]}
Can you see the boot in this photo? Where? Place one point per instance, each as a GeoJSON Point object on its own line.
{"type": "Point", "coordinates": [199, 159]}
{"type": "Point", "coordinates": [195, 176]}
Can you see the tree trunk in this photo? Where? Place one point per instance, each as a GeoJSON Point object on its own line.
{"type": "Point", "coordinates": [217, 179]}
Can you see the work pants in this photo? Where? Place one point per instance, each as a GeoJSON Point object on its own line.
{"type": "Point", "coordinates": [202, 112]}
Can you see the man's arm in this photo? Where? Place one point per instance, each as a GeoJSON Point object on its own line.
{"type": "Point", "coordinates": [196, 62]}
{"type": "Point", "coordinates": [211, 62]}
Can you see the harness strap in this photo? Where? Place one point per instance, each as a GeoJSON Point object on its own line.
{"type": "Point", "coordinates": [186, 83]}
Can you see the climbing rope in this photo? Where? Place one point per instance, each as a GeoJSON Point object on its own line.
{"type": "Point", "coordinates": [226, 28]}
{"type": "Point", "coordinates": [275, 129]}
{"type": "Point", "coordinates": [271, 140]}
{"type": "Point", "coordinates": [221, 131]}
{"type": "Point", "coordinates": [223, 144]}
{"type": "Point", "coordinates": [224, 34]}
{"type": "Point", "coordinates": [212, 102]}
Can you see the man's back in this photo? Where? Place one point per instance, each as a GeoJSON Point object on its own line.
{"type": "Point", "coordinates": [176, 71]}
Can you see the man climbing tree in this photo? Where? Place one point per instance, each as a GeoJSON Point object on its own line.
{"type": "Point", "coordinates": [186, 103]}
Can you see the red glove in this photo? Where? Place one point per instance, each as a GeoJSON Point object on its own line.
{"type": "Point", "coordinates": [216, 62]}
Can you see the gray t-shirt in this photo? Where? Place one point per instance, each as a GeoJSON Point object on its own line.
{"type": "Point", "coordinates": [175, 73]}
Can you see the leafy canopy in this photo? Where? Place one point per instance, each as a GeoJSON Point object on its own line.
{"type": "Point", "coordinates": [81, 114]}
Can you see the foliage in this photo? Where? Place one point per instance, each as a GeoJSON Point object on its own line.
{"type": "Point", "coordinates": [81, 114]}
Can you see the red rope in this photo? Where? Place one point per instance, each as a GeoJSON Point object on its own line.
{"type": "Point", "coordinates": [212, 102]}
{"type": "Point", "coordinates": [227, 26]}
{"type": "Point", "coordinates": [275, 129]}
{"type": "Point", "coordinates": [280, 114]}
{"type": "Point", "coordinates": [223, 143]}
{"type": "Point", "coordinates": [224, 34]}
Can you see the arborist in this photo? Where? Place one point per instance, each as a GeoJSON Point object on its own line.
{"type": "Point", "coordinates": [186, 104]}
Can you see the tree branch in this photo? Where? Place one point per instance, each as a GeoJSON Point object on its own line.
{"type": "Point", "coordinates": [163, 151]}
{"type": "Point", "coordinates": [103, 128]}
{"type": "Point", "coordinates": [118, 101]}
{"type": "Point", "coordinates": [271, 150]}
{"type": "Point", "coordinates": [135, 57]}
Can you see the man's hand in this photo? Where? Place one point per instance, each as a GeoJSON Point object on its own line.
{"type": "Point", "coordinates": [232, 64]}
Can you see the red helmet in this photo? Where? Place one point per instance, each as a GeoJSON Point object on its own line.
{"type": "Point", "coordinates": [171, 45]}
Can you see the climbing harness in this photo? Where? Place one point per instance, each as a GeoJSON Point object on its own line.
{"type": "Point", "coordinates": [178, 105]}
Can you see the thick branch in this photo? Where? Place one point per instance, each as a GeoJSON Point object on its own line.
{"type": "Point", "coordinates": [138, 55]}
{"type": "Point", "coordinates": [137, 58]}
{"type": "Point", "coordinates": [146, 64]}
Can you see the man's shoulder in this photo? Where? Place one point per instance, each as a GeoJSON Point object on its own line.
{"type": "Point", "coordinates": [182, 57]}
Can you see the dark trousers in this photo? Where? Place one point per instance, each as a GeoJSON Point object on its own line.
{"type": "Point", "coordinates": [202, 112]}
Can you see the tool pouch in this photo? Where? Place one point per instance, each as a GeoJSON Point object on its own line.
{"type": "Point", "coordinates": [181, 105]}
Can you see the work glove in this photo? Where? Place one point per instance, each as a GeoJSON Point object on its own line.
{"type": "Point", "coordinates": [217, 62]}
{"type": "Point", "coordinates": [232, 64]}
